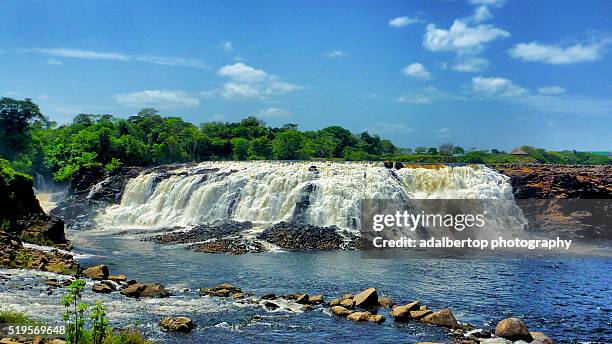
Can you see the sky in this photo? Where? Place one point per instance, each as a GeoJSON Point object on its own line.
{"type": "Point", "coordinates": [476, 73]}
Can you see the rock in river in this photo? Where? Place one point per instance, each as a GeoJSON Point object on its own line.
{"type": "Point", "coordinates": [145, 290]}
{"type": "Point", "coordinates": [444, 318]}
{"type": "Point", "coordinates": [98, 272]}
{"type": "Point", "coordinates": [513, 329]}
{"type": "Point", "coordinates": [178, 324]}
{"type": "Point", "coordinates": [101, 288]}
{"type": "Point", "coordinates": [402, 313]}
{"type": "Point", "coordinates": [340, 311]}
{"type": "Point", "coordinates": [366, 299]}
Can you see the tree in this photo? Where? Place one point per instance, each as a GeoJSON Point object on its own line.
{"type": "Point", "coordinates": [432, 151]}
{"type": "Point", "coordinates": [446, 149]}
{"type": "Point", "coordinates": [287, 144]}
{"type": "Point", "coordinates": [420, 150]}
{"type": "Point", "coordinates": [458, 151]}
{"type": "Point", "coordinates": [16, 116]}
{"type": "Point", "coordinates": [240, 148]}
{"type": "Point", "coordinates": [260, 149]}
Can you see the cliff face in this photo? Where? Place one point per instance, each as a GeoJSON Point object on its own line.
{"type": "Point", "coordinates": [567, 201]}
{"type": "Point", "coordinates": [21, 214]}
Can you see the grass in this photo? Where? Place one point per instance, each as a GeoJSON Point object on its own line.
{"type": "Point", "coordinates": [14, 317]}
{"type": "Point", "coordinates": [126, 337]}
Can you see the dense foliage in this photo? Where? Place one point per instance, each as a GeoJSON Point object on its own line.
{"type": "Point", "coordinates": [35, 145]}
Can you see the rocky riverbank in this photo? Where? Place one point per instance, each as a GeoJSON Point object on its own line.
{"type": "Point", "coordinates": [567, 201]}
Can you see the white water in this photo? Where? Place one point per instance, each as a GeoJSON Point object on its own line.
{"type": "Point", "coordinates": [267, 192]}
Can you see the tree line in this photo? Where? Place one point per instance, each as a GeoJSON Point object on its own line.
{"type": "Point", "coordinates": [34, 144]}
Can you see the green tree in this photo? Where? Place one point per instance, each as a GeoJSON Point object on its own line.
{"type": "Point", "coordinates": [16, 116]}
{"type": "Point", "coordinates": [240, 148]}
{"type": "Point", "coordinates": [287, 144]}
{"type": "Point", "coordinates": [446, 149]}
{"type": "Point", "coordinates": [75, 310]}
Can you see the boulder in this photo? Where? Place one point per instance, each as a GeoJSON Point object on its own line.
{"type": "Point", "coordinates": [419, 314]}
{"type": "Point", "coordinates": [178, 324]}
{"type": "Point", "coordinates": [303, 299]}
{"type": "Point", "coordinates": [377, 318]}
{"type": "Point", "coordinates": [238, 296]}
{"type": "Point", "coordinates": [402, 313]}
{"type": "Point", "coordinates": [132, 290]}
{"type": "Point", "coordinates": [444, 318]}
{"type": "Point", "coordinates": [270, 305]}
{"type": "Point", "coordinates": [347, 303]}
{"type": "Point", "coordinates": [366, 299]}
{"type": "Point", "coordinates": [340, 311]}
{"type": "Point", "coordinates": [386, 302]}
{"type": "Point", "coordinates": [101, 288]}
{"type": "Point", "coordinates": [98, 272]}
{"type": "Point", "coordinates": [334, 302]}
{"type": "Point", "coordinates": [359, 316]}
{"type": "Point", "coordinates": [154, 290]}
{"type": "Point", "coordinates": [513, 329]}
{"type": "Point", "coordinates": [347, 296]}
{"type": "Point", "coordinates": [540, 338]}
{"type": "Point", "coordinates": [117, 278]}
{"type": "Point", "coordinates": [316, 299]}
{"type": "Point", "coordinates": [221, 290]}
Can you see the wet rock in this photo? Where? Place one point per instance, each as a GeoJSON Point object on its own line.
{"type": "Point", "coordinates": [154, 290]}
{"type": "Point", "coordinates": [366, 299]}
{"type": "Point", "coordinates": [402, 313]}
{"type": "Point", "coordinates": [335, 302]}
{"type": "Point", "coordinates": [178, 324]}
{"type": "Point", "coordinates": [316, 299]}
{"type": "Point", "coordinates": [272, 296]}
{"type": "Point", "coordinates": [117, 278]}
{"type": "Point", "coordinates": [377, 318]}
{"type": "Point", "coordinates": [347, 303]}
{"type": "Point", "coordinates": [340, 311]}
{"type": "Point", "coordinates": [386, 302]}
{"type": "Point", "coordinates": [303, 299]}
{"type": "Point", "coordinates": [221, 290]}
{"type": "Point", "coordinates": [101, 288]}
{"type": "Point", "coordinates": [420, 313]}
{"type": "Point", "coordinates": [540, 338]}
{"type": "Point", "coordinates": [298, 237]}
{"type": "Point", "coordinates": [270, 305]}
{"type": "Point", "coordinates": [513, 329]}
{"type": "Point", "coordinates": [97, 272]}
{"type": "Point", "coordinates": [359, 316]}
{"type": "Point", "coordinates": [238, 296]}
{"type": "Point", "coordinates": [347, 296]}
{"type": "Point", "coordinates": [444, 318]}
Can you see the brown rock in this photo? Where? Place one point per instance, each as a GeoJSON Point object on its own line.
{"type": "Point", "coordinates": [101, 288]}
{"type": "Point", "coordinates": [303, 299]}
{"type": "Point", "coordinates": [444, 318]}
{"type": "Point", "coordinates": [238, 296]}
{"type": "Point", "coordinates": [133, 290]}
{"type": "Point", "coordinates": [316, 299]}
{"type": "Point", "coordinates": [347, 296]}
{"type": "Point", "coordinates": [402, 313]}
{"type": "Point", "coordinates": [98, 272]}
{"type": "Point", "coordinates": [386, 302]}
{"type": "Point", "coordinates": [334, 302]}
{"type": "Point", "coordinates": [347, 303]}
{"type": "Point", "coordinates": [540, 338]}
{"type": "Point", "coordinates": [178, 324]}
{"type": "Point", "coordinates": [117, 278]}
{"type": "Point", "coordinates": [513, 329]}
{"type": "Point", "coordinates": [366, 299]}
{"type": "Point", "coordinates": [419, 314]}
{"type": "Point", "coordinates": [154, 290]}
{"type": "Point", "coordinates": [359, 316]}
{"type": "Point", "coordinates": [377, 318]}
{"type": "Point", "coordinates": [340, 311]}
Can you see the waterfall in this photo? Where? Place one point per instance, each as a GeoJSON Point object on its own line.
{"type": "Point", "coordinates": [317, 193]}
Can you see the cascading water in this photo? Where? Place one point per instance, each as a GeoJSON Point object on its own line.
{"type": "Point", "coordinates": [270, 192]}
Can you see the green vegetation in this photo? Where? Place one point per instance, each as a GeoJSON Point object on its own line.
{"type": "Point", "coordinates": [100, 332]}
{"type": "Point", "coordinates": [34, 144]}
{"type": "Point", "coordinates": [14, 317]}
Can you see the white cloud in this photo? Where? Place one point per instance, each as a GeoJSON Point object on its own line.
{"type": "Point", "coordinates": [551, 90]}
{"type": "Point", "coordinates": [84, 54]}
{"type": "Point", "coordinates": [496, 3]}
{"type": "Point", "coordinates": [399, 128]}
{"type": "Point", "coordinates": [442, 133]}
{"type": "Point", "coordinates": [54, 62]}
{"type": "Point", "coordinates": [227, 46]}
{"type": "Point", "coordinates": [118, 57]}
{"type": "Point", "coordinates": [471, 64]}
{"type": "Point", "coordinates": [248, 82]}
{"type": "Point", "coordinates": [554, 54]}
{"type": "Point", "coordinates": [274, 112]}
{"type": "Point", "coordinates": [481, 13]}
{"type": "Point", "coordinates": [404, 21]}
{"type": "Point", "coordinates": [496, 87]}
{"type": "Point", "coordinates": [336, 54]}
{"type": "Point", "coordinates": [416, 70]}
{"type": "Point", "coordinates": [427, 96]}
{"type": "Point", "coordinates": [157, 99]}
{"type": "Point", "coordinates": [461, 37]}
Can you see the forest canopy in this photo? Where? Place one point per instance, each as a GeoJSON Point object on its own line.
{"type": "Point", "coordinates": [34, 144]}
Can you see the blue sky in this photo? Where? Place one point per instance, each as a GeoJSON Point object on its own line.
{"type": "Point", "coordinates": [477, 73]}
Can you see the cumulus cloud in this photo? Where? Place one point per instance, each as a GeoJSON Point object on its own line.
{"type": "Point", "coordinates": [461, 37]}
{"type": "Point", "coordinates": [471, 64]}
{"type": "Point", "coordinates": [404, 21]}
{"type": "Point", "coordinates": [274, 112]}
{"type": "Point", "coordinates": [481, 13]}
{"type": "Point", "coordinates": [416, 70]}
{"type": "Point", "coordinates": [556, 54]}
{"type": "Point", "coordinates": [248, 82]}
{"type": "Point", "coordinates": [117, 57]}
{"type": "Point", "coordinates": [551, 90]}
{"type": "Point", "coordinates": [336, 54]}
{"type": "Point", "coordinates": [157, 99]}
{"type": "Point", "coordinates": [496, 87]}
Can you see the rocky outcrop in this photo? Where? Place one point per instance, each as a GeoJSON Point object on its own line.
{"type": "Point", "coordinates": [444, 318]}
{"type": "Point", "coordinates": [178, 324]}
{"type": "Point", "coordinates": [366, 299]}
{"type": "Point", "coordinates": [296, 237]}
{"type": "Point", "coordinates": [136, 290]}
{"type": "Point", "coordinates": [402, 313]}
{"type": "Point", "coordinates": [221, 290]}
{"type": "Point", "coordinates": [14, 255]}
{"type": "Point", "coordinates": [566, 201]}
{"type": "Point", "coordinates": [98, 272]}
{"type": "Point", "coordinates": [513, 329]}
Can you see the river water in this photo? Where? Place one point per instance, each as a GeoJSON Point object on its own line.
{"type": "Point", "coordinates": [568, 296]}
